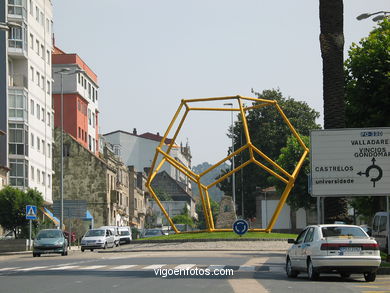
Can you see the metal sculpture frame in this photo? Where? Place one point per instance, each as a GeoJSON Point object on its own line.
{"type": "Point", "coordinates": [287, 178]}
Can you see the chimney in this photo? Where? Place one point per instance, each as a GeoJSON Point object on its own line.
{"type": "Point", "coordinates": [135, 131]}
{"type": "Point", "coordinates": [158, 133]}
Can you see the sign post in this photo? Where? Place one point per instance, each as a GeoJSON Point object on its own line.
{"type": "Point", "coordinates": [31, 214]}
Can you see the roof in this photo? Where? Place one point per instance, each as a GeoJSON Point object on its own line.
{"type": "Point", "coordinates": [147, 135]}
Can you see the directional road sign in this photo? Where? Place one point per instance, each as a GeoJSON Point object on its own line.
{"type": "Point", "coordinates": [31, 212]}
{"type": "Point", "coordinates": [240, 227]}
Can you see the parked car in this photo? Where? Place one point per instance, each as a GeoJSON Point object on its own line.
{"type": "Point", "coordinates": [125, 234]}
{"type": "Point", "coordinates": [115, 232]}
{"type": "Point", "coordinates": [341, 249]}
{"type": "Point", "coordinates": [152, 232]}
{"type": "Point", "coordinates": [380, 229]}
{"type": "Point", "coordinates": [97, 238]}
{"type": "Point", "coordinates": [8, 236]}
{"type": "Point", "coordinates": [50, 241]}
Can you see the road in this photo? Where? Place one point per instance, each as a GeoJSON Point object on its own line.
{"type": "Point", "coordinates": [135, 271]}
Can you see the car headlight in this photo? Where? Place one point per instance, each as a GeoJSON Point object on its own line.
{"type": "Point", "coordinates": [58, 242]}
{"type": "Point", "coordinates": [36, 243]}
{"type": "Point", "coordinates": [99, 241]}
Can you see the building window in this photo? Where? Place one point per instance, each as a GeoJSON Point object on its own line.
{"type": "Point", "coordinates": [19, 172]}
{"type": "Point", "coordinates": [37, 46]}
{"type": "Point", "coordinates": [31, 41]}
{"type": "Point", "coordinates": [48, 150]}
{"type": "Point", "coordinates": [89, 117]}
{"type": "Point", "coordinates": [79, 132]}
{"type": "Point", "coordinates": [93, 145]}
{"type": "Point", "coordinates": [32, 73]}
{"type": "Point", "coordinates": [79, 77]}
{"type": "Point", "coordinates": [89, 142]}
{"type": "Point", "coordinates": [38, 112]}
{"type": "Point", "coordinates": [36, 13]}
{"type": "Point", "coordinates": [43, 82]}
{"type": "Point", "coordinates": [38, 78]}
{"type": "Point", "coordinates": [18, 139]}
{"type": "Point", "coordinates": [48, 180]}
{"type": "Point", "coordinates": [32, 107]}
{"type": "Point", "coordinates": [38, 176]}
{"type": "Point", "coordinates": [48, 87]}
{"type": "Point", "coordinates": [17, 105]}
{"type": "Point", "coordinates": [32, 173]}
{"type": "Point", "coordinates": [48, 119]}
{"type": "Point", "coordinates": [89, 90]}
{"type": "Point", "coordinates": [43, 178]}
{"type": "Point", "coordinates": [43, 52]}
{"type": "Point", "coordinates": [43, 114]}
{"type": "Point", "coordinates": [38, 144]}
{"type": "Point", "coordinates": [16, 38]}
{"type": "Point", "coordinates": [48, 56]}
{"type": "Point", "coordinates": [32, 140]}
{"type": "Point", "coordinates": [17, 7]}
{"type": "Point", "coordinates": [42, 19]}
{"type": "Point", "coordinates": [31, 8]}
{"type": "Point", "coordinates": [43, 147]}
{"type": "Point", "coordinates": [93, 120]}
{"type": "Point", "coordinates": [66, 150]}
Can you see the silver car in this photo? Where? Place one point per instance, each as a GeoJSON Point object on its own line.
{"type": "Point", "coordinates": [341, 249]}
{"type": "Point", "coordinates": [97, 238]}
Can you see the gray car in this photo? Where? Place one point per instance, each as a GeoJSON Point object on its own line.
{"type": "Point", "coordinates": [50, 241]}
{"type": "Point", "coordinates": [97, 238]}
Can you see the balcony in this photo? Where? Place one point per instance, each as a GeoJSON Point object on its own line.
{"type": "Point", "coordinates": [17, 11]}
{"type": "Point", "coordinates": [18, 80]}
{"type": "Point", "coordinates": [17, 41]}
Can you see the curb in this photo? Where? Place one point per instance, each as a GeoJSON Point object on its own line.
{"type": "Point", "coordinates": [205, 240]}
{"type": "Point", "coordinates": [383, 271]}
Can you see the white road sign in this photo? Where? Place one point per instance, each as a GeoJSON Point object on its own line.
{"type": "Point", "coordinates": [350, 162]}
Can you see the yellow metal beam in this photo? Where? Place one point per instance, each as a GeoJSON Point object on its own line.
{"type": "Point", "coordinates": [228, 174]}
{"type": "Point", "coordinates": [273, 173]}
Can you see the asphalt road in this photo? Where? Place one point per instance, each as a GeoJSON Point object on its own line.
{"type": "Point", "coordinates": [118, 271]}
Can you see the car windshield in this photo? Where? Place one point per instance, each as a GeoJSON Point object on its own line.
{"type": "Point", "coordinates": [153, 232]}
{"type": "Point", "coordinates": [94, 233]}
{"type": "Point", "coordinates": [124, 233]}
{"type": "Point", "coordinates": [341, 231]}
{"type": "Point", "coordinates": [49, 234]}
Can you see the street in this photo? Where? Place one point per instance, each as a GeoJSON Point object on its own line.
{"type": "Point", "coordinates": [143, 271]}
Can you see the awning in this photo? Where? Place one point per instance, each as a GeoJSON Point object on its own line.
{"type": "Point", "coordinates": [88, 216]}
{"type": "Point", "coordinates": [50, 215]}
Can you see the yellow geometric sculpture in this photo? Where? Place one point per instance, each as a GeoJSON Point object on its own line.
{"type": "Point", "coordinates": [187, 106]}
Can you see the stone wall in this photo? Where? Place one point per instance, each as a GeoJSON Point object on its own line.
{"type": "Point", "coordinates": [227, 213]}
{"type": "Point", "coordinates": [13, 245]}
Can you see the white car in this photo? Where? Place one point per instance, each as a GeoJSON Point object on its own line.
{"type": "Point", "coordinates": [115, 232]}
{"type": "Point", "coordinates": [342, 249]}
{"type": "Point", "coordinates": [97, 238]}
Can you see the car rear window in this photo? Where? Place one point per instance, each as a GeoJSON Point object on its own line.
{"type": "Point", "coordinates": [340, 231]}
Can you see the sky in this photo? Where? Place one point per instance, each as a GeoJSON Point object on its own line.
{"type": "Point", "coordinates": [149, 55]}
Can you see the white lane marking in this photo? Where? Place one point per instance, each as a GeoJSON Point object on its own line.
{"type": "Point", "coordinates": [152, 267]}
{"type": "Point", "coordinates": [8, 269]}
{"type": "Point", "coordinates": [31, 269]}
{"type": "Point", "coordinates": [123, 267]}
{"type": "Point", "coordinates": [185, 266]}
{"type": "Point", "coordinates": [246, 269]}
{"type": "Point", "coordinates": [63, 268]}
{"type": "Point", "coordinates": [91, 267]}
{"type": "Point", "coordinates": [216, 267]}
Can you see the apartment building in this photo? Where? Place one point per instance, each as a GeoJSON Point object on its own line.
{"type": "Point", "coordinates": [77, 85]}
{"type": "Point", "coordinates": [26, 103]}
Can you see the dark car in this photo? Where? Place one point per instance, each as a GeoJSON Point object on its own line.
{"type": "Point", "coordinates": [152, 233]}
{"type": "Point", "coordinates": [50, 241]}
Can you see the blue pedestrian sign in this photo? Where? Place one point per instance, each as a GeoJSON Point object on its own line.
{"type": "Point", "coordinates": [240, 227]}
{"type": "Point", "coordinates": [31, 212]}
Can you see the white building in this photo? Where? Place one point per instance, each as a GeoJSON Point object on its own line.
{"type": "Point", "coordinates": [138, 150]}
{"type": "Point", "coordinates": [30, 112]}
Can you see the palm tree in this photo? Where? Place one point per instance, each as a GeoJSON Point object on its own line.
{"type": "Point", "coordinates": [332, 46]}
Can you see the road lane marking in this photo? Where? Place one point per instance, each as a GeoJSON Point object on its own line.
{"type": "Point", "coordinates": [246, 269]}
{"type": "Point", "coordinates": [153, 267]}
{"type": "Point", "coordinates": [63, 268]}
{"type": "Point", "coordinates": [184, 266]}
{"type": "Point", "coordinates": [91, 267]}
{"type": "Point", "coordinates": [123, 267]}
{"type": "Point", "coordinates": [8, 269]}
{"type": "Point", "coordinates": [216, 267]}
{"type": "Point", "coordinates": [31, 269]}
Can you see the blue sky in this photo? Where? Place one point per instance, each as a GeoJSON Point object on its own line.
{"type": "Point", "coordinates": [150, 54]}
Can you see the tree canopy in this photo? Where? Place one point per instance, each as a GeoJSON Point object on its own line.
{"type": "Point", "coordinates": [367, 79]}
{"type": "Point", "coordinates": [268, 133]}
{"type": "Point", "coordinates": [13, 203]}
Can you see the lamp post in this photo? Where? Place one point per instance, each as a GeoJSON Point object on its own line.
{"type": "Point", "coordinates": [376, 18]}
{"type": "Point", "coordinates": [233, 165]}
{"type": "Point", "coordinates": [62, 72]}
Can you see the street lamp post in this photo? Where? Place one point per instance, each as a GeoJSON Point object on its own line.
{"type": "Point", "coordinates": [233, 165]}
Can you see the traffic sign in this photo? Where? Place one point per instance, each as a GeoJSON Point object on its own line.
{"type": "Point", "coordinates": [240, 227]}
{"type": "Point", "coordinates": [31, 212]}
{"type": "Point", "coordinates": [350, 162]}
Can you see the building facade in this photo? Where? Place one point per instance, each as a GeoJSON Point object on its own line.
{"type": "Point", "coordinates": [77, 84]}
{"type": "Point", "coordinates": [3, 170]}
{"type": "Point", "coordinates": [139, 199]}
{"type": "Point", "coordinates": [138, 150]}
{"type": "Point", "coordinates": [26, 104]}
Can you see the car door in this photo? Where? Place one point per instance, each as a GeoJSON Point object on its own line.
{"type": "Point", "coordinates": [306, 247]}
{"type": "Point", "coordinates": [294, 255]}
{"type": "Point", "coordinates": [111, 237]}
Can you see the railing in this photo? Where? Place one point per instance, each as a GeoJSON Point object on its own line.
{"type": "Point", "coordinates": [18, 80]}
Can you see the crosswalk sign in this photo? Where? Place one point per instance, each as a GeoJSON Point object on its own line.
{"type": "Point", "coordinates": [31, 212]}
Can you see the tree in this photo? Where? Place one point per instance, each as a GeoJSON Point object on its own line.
{"type": "Point", "coordinates": [201, 219]}
{"type": "Point", "coordinates": [332, 46]}
{"type": "Point", "coordinates": [367, 79]}
{"type": "Point", "coordinates": [299, 196]}
{"type": "Point", "coordinates": [268, 133]}
{"type": "Point", "coordinates": [13, 207]}
{"type": "Point", "coordinates": [183, 219]}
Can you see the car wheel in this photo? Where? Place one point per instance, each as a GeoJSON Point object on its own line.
{"type": "Point", "coordinates": [34, 254]}
{"type": "Point", "coordinates": [105, 246]}
{"type": "Point", "coordinates": [82, 249]}
{"type": "Point", "coordinates": [91, 249]}
{"type": "Point", "coordinates": [38, 254]}
{"type": "Point", "coordinates": [311, 271]}
{"type": "Point", "coordinates": [63, 253]}
{"type": "Point", "coordinates": [370, 277]}
{"type": "Point", "coordinates": [345, 275]}
{"type": "Point", "coordinates": [290, 272]}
